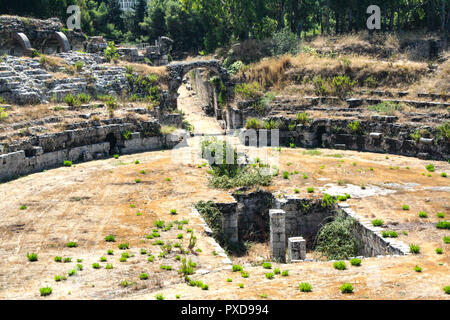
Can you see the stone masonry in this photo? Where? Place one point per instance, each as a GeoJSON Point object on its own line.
{"type": "Point", "coordinates": [277, 235]}
{"type": "Point", "coordinates": [296, 249]}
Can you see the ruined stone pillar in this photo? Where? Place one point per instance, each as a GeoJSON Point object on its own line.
{"type": "Point", "coordinates": [296, 249]}
{"type": "Point", "coordinates": [230, 225]}
{"type": "Point", "coordinates": [278, 235]}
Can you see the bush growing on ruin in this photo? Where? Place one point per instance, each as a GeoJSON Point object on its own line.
{"type": "Point", "coordinates": [386, 107]}
{"type": "Point", "coordinates": [302, 118]}
{"type": "Point", "coordinates": [267, 265]}
{"type": "Point", "coordinates": [447, 289]}
{"type": "Point", "coordinates": [253, 123]}
{"type": "Point", "coordinates": [71, 244]}
{"type": "Point", "coordinates": [446, 239]}
{"type": "Point", "coordinates": [354, 127]}
{"type": "Point", "coordinates": [443, 132]}
{"type": "Point", "coordinates": [342, 86]}
{"type": "Point", "coordinates": [250, 90]}
{"type": "Point", "coordinates": [110, 52]}
{"type": "Point", "coordinates": [110, 238]}
{"type": "Point", "coordinates": [3, 114]}
{"type": "Point", "coordinates": [67, 163]}
{"type": "Point", "coordinates": [336, 239]}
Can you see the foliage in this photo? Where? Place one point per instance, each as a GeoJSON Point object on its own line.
{"type": "Point", "coordinates": [342, 86]}
{"type": "Point", "coordinates": [250, 90]}
{"type": "Point", "coordinates": [336, 240]}
{"type": "Point", "coordinates": [110, 52]}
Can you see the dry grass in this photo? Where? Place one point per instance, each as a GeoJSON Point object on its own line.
{"type": "Point", "coordinates": [439, 83]}
{"type": "Point", "coordinates": [306, 66]}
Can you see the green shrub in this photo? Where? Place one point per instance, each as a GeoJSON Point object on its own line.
{"type": "Point", "coordinates": [423, 214]}
{"type": "Point", "coordinates": [305, 287]}
{"type": "Point", "coordinates": [446, 239]}
{"type": "Point", "coordinates": [310, 189]}
{"type": "Point", "coordinates": [346, 288]}
{"type": "Point", "coordinates": [336, 239]}
{"type": "Point", "coordinates": [67, 260]}
{"type": "Point", "coordinates": [342, 86]}
{"type": "Point", "coordinates": [229, 280]}
{"type": "Point", "coordinates": [405, 207]}
{"type": "Point", "coordinates": [95, 265]}
{"type": "Point", "coordinates": [72, 272]}
{"type": "Point", "coordinates": [267, 265]}
{"type": "Point", "coordinates": [58, 259]}
{"type": "Point", "coordinates": [80, 267]}
{"type": "Point", "coordinates": [109, 266]}
{"type": "Point", "coordinates": [250, 90]}
{"type": "Point", "coordinates": [302, 118]}
{"type": "Point", "coordinates": [253, 123]}
{"type": "Point", "coordinates": [354, 127]}
{"type": "Point", "coordinates": [285, 175]}
{"type": "Point", "coordinates": [417, 269]}
{"type": "Point", "coordinates": [173, 211]}
{"type": "Point", "coordinates": [124, 246]}
{"type": "Point", "coordinates": [110, 52]}
{"type": "Point", "coordinates": [340, 265]}
{"type": "Point", "coordinates": [444, 175]}
{"type": "Point", "coordinates": [32, 257]}
{"type": "Point", "coordinates": [415, 249]}
{"type": "Point", "coordinates": [237, 268]}
{"type": "Point", "coordinates": [276, 271]}
{"type": "Point", "coordinates": [71, 244]}
{"type": "Point", "coordinates": [355, 262]}
{"type": "Point", "coordinates": [285, 273]}
{"type": "Point", "coordinates": [443, 225]}
{"type": "Point", "coordinates": [377, 222]}
{"type": "Point", "coordinates": [143, 276]}
{"type": "Point", "coordinates": [284, 41]}
{"type": "Point", "coordinates": [110, 238]}
{"type": "Point", "coordinates": [270, 275]}
{"type": "Point", "coordinates": [67, 163]}
{"type": "Point", "coordinates": [45, 291]}
{"type": "Point", "coordinates": [103, 259]}
{"type": "Point", "coordinates": [447, 289]}
{"type": "Point", "coordinates": [430, 168]}
{"type": "Point", "coordinates": [439, 251]}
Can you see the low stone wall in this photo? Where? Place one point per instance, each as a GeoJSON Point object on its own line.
{"type": "Point", "coordinates": [380, 134]}
{"type": "Point", "coordinates": [79, 146]}
{"type": "Point", "coordinates": [372, 242]}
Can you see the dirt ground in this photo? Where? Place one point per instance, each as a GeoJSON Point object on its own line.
{"type": "Point", "coordinates": [89, 201]}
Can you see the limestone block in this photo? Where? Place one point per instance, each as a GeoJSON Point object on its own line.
{"type": "Point", "coordinates": [296, 249]}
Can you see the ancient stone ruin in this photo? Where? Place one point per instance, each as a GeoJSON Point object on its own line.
{"type": "Point", "coordinates": [20, 36]}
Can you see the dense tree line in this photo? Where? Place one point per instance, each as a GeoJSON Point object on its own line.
{"type": "Point", "coordinates": [208, 24]}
